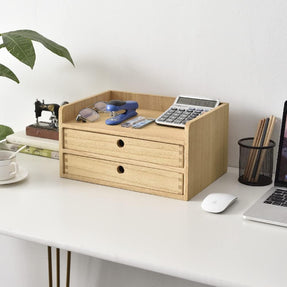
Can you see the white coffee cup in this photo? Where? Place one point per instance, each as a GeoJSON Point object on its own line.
{"type": "Point", "coordinates": [8, 166]}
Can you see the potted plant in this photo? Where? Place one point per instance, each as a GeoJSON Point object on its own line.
{"type": "Point", "coordinates": [19, 44]}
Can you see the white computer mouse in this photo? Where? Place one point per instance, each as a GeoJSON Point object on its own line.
{"type": "Point", "coordinates": [217, 202]}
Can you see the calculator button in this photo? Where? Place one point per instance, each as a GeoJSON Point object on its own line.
{"type": "Point", "coordinates": [179, 116]}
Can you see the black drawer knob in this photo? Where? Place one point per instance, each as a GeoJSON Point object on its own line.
{"type": "Point", "coordinates": [120, 143]}
{"type": "Point", "coordinates": [120, 169]}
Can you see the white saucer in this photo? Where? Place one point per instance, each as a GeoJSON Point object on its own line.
{"type": "Point", "coordinates": [21, 174]}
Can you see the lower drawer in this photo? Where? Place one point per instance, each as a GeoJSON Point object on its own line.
{"type": "Point", "coordinates": [125, 175]}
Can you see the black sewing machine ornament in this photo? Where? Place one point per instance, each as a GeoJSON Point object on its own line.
{"type": "Point", "coordinates": [43, 129]}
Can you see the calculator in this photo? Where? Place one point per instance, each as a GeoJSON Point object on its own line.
{"type": "Point", "coordinates": [184, 109]}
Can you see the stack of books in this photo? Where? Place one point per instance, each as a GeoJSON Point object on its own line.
{"type": "Point", "coordinates": [257, 154]}
{"type": "Point", "coordinates": [34, 145]}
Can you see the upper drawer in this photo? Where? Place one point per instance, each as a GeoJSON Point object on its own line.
{"type": "Point", "coordinates": [124, 147]}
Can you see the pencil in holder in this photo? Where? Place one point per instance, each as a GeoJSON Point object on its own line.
{"type": "Point", "coordinates": [255, 163]}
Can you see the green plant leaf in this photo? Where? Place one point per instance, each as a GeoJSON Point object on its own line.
{"type": "Point", "coordinates": [51, 45]}
{"type": "Point", "coordinates": [19, 44]}
{"type": "Point", "coordinates": [20, 47]}
{"type": "Point", "coordinates": [6, 72]}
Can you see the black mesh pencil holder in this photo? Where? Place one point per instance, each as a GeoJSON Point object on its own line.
{"type": "Point", "coordinates": [255, 163]}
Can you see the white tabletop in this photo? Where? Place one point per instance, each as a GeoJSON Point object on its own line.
{"type": "Point", "coordinates": [146, 231]}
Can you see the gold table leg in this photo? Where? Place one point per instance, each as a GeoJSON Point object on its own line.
{"type": "Point", "coordinates": [50, 267]}
{"type": "Point", "coordinates": [68, 268]}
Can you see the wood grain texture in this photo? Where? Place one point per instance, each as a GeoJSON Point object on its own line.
{"type": "Point", "coordinates": [207, 149]}
{"type": "Point", "coordinates": [124, 147]}
{"type": "Point", "coordinates": [105, 172]}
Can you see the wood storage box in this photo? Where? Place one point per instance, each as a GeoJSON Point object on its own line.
{"type": "Point", "coordinates": [161, 160]}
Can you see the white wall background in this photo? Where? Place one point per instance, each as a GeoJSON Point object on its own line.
{"type": "Point", "coordinates": [234, 50]}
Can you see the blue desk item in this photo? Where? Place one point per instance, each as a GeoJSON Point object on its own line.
{"type": "Point", "coordinates": [115, 105]}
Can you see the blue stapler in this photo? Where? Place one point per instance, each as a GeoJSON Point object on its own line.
{"type": "Point", "coordinates": [116, 105]}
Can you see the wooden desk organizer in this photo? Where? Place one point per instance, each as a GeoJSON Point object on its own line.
{"type": "Point", "coordinates": [161, 160]}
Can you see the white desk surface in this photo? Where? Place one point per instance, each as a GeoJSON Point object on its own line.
{"type": "Point", "coordinates": [146, 231]}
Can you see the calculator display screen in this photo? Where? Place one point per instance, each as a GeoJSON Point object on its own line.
{"type": "Point", "coordinates": [196, 102]}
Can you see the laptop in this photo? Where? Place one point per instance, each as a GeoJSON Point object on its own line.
{"type": "Point", "coordinates": [272, 206]}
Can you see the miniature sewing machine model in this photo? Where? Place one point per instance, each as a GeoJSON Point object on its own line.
{"type": "Point", "coordinates": [116, 106]}
{"type": "Point", "coordinates": [45, 129]}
